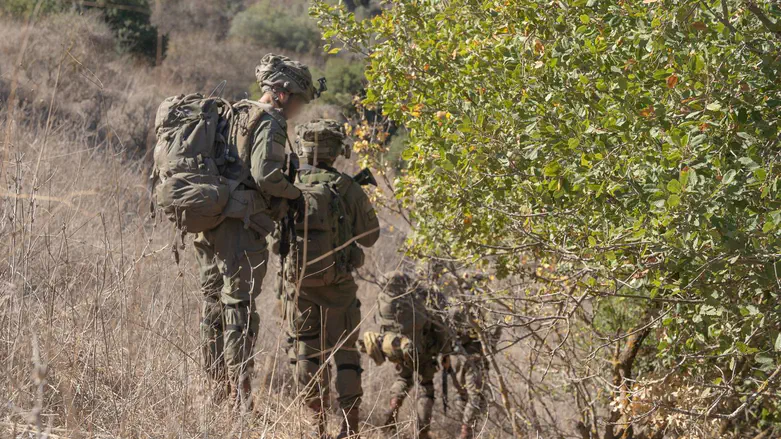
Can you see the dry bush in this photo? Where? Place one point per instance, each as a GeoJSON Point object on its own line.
{"type": "Point", "coordinates": [200, 61]}
{"type": "Point", "coordinates": [70, 68]}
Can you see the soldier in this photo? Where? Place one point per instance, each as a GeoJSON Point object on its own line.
{"type": "Point", "coordinates": [412, 337]}
{"type": "Point", "coordinates": [232, 258]}
{"type": "Point", "coordinates": [469, 366]}
{"type": "Point", "coordinates": [322, 309]}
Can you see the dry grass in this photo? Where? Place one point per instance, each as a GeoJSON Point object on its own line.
{"type": "Point", "coordinates": [98, 325]}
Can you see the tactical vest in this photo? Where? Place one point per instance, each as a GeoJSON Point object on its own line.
{"type": "Point", "coordinates": [328, 228]}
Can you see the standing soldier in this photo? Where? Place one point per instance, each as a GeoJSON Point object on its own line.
{"type": "Point", "coordinates": [469, 366]}
{"type": "Point", "coordinates": [412, 337]}
{"type": "Point", "coordinates": [232, 258]}
{"type": "Point", "coordinates": [321, 306]}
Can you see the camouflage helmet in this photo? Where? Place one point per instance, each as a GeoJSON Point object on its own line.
{"type": "Point", "coordinates": [397, 282]}
{"type": "Point", "coordinates": [282, 72]}
{"type": "Point", "coordinates": [324, 138]}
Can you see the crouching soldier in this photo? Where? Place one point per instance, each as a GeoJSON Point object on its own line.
{"type": "Point", "coordinates": [322, 310]}
{"type": "Point", "coordinates": [411, 337]}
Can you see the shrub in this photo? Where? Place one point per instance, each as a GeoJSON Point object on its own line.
{"type": "Point", "coordinates": [345, 80]}
{"type": "Point", "coordinates": [279, 25]}
{"type": "Point", "coordinates": [632, 149]}
{"type": "Point", "coordinates": [23, 8]}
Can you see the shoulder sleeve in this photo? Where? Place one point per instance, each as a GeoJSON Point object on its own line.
{"type": "Point", "coordinates": [364, 217]}
{"type": "Point", "coordinates": [268, 159]}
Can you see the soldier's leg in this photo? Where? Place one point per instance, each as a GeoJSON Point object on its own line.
{"type": "Point", "coordinates": [305, 350]}
{"type": "Point", "coordinates": [402, 383]}
{"type": "Point", "coordinates": [425, 396]}
{"type": "Point", "coordinates": [211, 327]}
{"type": "Point", "coordinates": [243, 261]}
{"type": "Point", "coordinates": [341, 327]}
{"type": "Point", "coordinates": [306, 346]}
{"type": "Point", "coordinates": [472, 382]}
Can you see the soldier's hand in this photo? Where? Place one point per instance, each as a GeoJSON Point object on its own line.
{"type": "Point", "coordinates": [445, 361]}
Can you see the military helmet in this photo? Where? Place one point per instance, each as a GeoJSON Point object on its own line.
{"type": "Point", "coordinates": [323, 137]}
{"type": "Point", "coordinates": [282, 72]}
{"type": "Point", "coordinates": [397, 282]}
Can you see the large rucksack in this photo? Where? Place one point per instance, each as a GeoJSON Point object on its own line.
{"type": "Point", "coordinates": [329, 227]}
{"type": "Point", "coordinates": [197, 138]}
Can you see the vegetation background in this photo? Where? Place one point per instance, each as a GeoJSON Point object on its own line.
{"type": "Point", "coordinates": [613, 167]}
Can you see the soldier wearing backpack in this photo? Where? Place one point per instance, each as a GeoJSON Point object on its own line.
{"type": "Point", "coordinates": [320, 302]}
{"type": "Point", "coordinates": [412, 336]}
{"type": "Point", "coordinates": [220, 167]}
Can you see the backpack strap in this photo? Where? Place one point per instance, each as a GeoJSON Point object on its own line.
{"type": "Point", "coordinates": [243, 135]}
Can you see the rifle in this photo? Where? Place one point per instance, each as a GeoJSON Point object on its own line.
{"type": "Point", "coordinates": [445, 373]}
{"type": "Point", "coordinates": [446, 370]}
{"type": "Point", "coordinates": [287, 231]}
{"type": "Point", "coordinates": [365, 177]}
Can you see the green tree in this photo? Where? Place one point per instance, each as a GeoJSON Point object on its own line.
{"type": "Point", "coordinates": [345, 80]}
{"type": "Point", "coordinates": [632, 150]}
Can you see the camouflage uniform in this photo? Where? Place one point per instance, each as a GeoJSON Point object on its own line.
{"type": "Point", "coordinates": [324, 318]}
{"type": "Point", "coordinates": [470, 367]}
{"type": "Point", "coordinates": [412, 337]}
{"type": "Point", "coordinates": [469, 363]}
{"type": "Point", "coordinates": [233, 258]}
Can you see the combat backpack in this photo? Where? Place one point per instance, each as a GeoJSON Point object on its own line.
{"type": "Point", "coordinates": [197, 138]}
{"type": "Point", "coordinates": [329, 228]}
{"type": "Point", "coordinates": [402, 312]}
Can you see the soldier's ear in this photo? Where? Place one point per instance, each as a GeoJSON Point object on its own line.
{"type": "Point", "coordinates": [282, 97]}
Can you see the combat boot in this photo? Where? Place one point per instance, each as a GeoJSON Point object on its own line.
{"type": "Point", "coordinates": [320, 421]}
{"type": "Point", "coordinates": [349, 424]}
{"type": "Point", "coordinates": [466, 432]}
{"type": "Point", "coordinates": [242, 395]}
{"type": "Point", "coordinates": [391, 419]}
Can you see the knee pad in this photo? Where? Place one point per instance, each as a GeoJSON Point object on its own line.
{"type": "Point", "coordinates": [241, 318]}
{"type": "Point", "coordinates": [241, 326]}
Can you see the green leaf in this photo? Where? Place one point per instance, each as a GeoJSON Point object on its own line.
{"type": "Point", "coordinates": [674, 186]}
{"type": "Point", "coordinates": [777, 345]}
{"type": "Point", "coordinates": [335, 50]}
{"type": "Point", "coordinates": [585, 19]}
{"type": "Point", "coordinates": [729, 177]}
{"type": "Point", "coordinates": [714, 106]}
{"type": "Point", "coordinates": [573, 142]}
{"type": "Point", "coordinates": [673, 200]}
{"type": "Point", "coordinates": [552, 169]}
